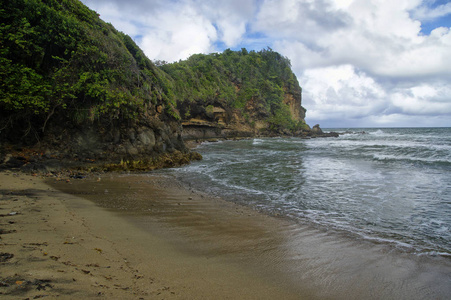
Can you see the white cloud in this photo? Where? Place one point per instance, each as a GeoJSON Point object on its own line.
{"type": "Point", "coordinates": [378, 36]}
{"type": "Point", "coordinates": [428, 58]}
{"type": "Point", "coordinates": [426, 13]}
{"type": "Point", "coordinates": [342, 95]}
{"type": "Point", "coordinates": [230, 17]}
{"type": "Point", "coordinates": [302, 57]}
{"type": "Point", "coordinates": [341, 92]}
{"type": "Point", "coordinates": [385, 18]}
{"type": "Point", "coordinates": [168, 40]}
{"type": "Point", "coordinates": [112, 13]}
{"type": "Point", "coordinates": [341, 4]}
{"type": "Point", "coordinates": [173, 30]}
{"type": "Point", "coordinates": [425, 99]}
{"type": "Point", "coordinates": [299, 20]}
{"type": "Point", "coordinates": [382, 41]}
{"type": "Point", "coordinates": [164, 30]}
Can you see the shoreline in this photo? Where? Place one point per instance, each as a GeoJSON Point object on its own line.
{"type": "Point", "coordinates": [148, 236]}
{"type": "Point", "coordinates": [54, 244]}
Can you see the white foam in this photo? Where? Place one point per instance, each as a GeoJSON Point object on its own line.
{"type": "Point", "coordinates": [336, 183]}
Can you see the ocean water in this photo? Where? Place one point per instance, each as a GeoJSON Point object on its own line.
{"type": "Point", "coordinates": [388, 185]}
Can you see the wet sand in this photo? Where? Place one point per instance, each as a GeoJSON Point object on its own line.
{"type": "Point", "coordinates": [146, 236]}
{"type": "Point", "coordinates": [55, 244]}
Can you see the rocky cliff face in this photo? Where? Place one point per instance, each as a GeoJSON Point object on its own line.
{"type": "Point", "coordinates": [146, 137]}
{"type": "Point", "coordinates": [297, 111]}
{"type": "Point", "coordinates": [249, 122]}
{"type": "Point", "coordinates": [144, 145]}
{"type": "Point", "coordinates": [236, 94]}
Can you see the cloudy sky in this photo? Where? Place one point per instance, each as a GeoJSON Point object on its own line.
{"type": "Point", "coordinates": [361, 63]}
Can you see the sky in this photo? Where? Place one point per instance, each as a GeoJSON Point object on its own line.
{"type": "Point", "coordinates": [360, 63]}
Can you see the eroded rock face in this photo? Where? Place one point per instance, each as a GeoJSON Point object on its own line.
{"type": "Point", "coordinates": [295, 104]}
{"type": "Point", "coordinates": [224, 122]}
{"type": "Point", "coordinates": [147, 137]}
{"type": "Point", "coordinates": [150, 136]}
{"type": "Point", "coordinates": [142, 145]}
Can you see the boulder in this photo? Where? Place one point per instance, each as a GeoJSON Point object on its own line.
{"type": "Point", "coordinates": [317, 130]}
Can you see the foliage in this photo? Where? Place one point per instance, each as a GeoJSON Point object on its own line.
{"type": "Point", "coordinates": [58, 57]}
{"type": "Point", "coordinates": [281, 121]}
{"type": "Point", "coordinates": [59, 61]}
{"type": "Point", "coordinates": [232, 79]}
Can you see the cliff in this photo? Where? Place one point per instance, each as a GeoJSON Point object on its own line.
{"type": "Point", "coordinates": [74, 88]}
{"type": "Point", "coordinates": [236, 94]}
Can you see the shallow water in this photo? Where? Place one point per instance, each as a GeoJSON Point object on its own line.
{"type": "Point", "coordinates": [309, 261]}
{"type": "Point", "coordinates": [386, 185]}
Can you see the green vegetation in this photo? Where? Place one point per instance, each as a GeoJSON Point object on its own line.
{"type": "Point", "coordinates": [60, 64]}
{"type": "Point", "coordinates": [235, 80]}
{"type": "Point", "coordinates": [57, 58]}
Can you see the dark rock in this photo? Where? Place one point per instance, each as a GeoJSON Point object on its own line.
{"type": "Point", "coordinates": [78, 176]}
{"type": "Point", "coordinates": [330, 134]}
{"type": "Point", "coordinates": [317, 130]}
{"type": "Point", "coordinates": [195, 156]}
{"type": "Point", "coordinates": [5, 256]}
{"type": "Point", "coordinates": [13, 163]}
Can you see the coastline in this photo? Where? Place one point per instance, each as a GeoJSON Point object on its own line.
{"type": "Point", "coordinates": [147, 236]}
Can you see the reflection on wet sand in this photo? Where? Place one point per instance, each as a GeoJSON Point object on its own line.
{"type": "Point", "coordinates": [297, 258]}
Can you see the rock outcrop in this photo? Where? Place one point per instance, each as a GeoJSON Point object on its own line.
{"type": "Point", "coordinates": [236, 94]}
{"type": "Point", "coordinates": [317, 130]}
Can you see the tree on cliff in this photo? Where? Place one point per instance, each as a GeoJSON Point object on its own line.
{"type": "Point", "coordinates": [254, 83]}
{"type": "Point", "coordinates": [59, 61]}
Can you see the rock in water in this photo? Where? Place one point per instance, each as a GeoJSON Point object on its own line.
{"type": "Point", "coordinates": [317, 130]}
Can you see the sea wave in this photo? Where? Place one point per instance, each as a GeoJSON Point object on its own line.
{"type": "Point", "coordinates": [406, 158]}
{"type": "Point", "coordinates": [385, 186]}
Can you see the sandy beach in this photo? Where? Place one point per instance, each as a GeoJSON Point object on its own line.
{"type": "Point", "coordinates": [59, 245]}
{"type": "Point", "coordinates": [147, 236]}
